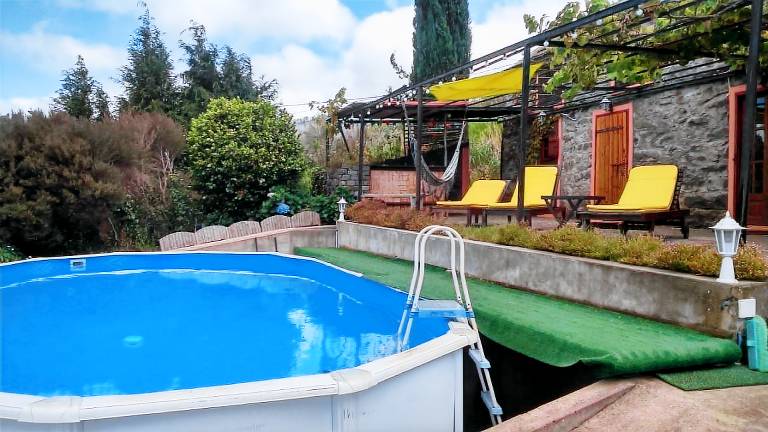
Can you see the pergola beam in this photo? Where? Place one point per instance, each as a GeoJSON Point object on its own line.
{"type": "Point", "coordinates": [750, 106]}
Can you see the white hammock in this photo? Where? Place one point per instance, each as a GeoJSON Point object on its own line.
{"type": "Point", "coordinates": [450, 169]}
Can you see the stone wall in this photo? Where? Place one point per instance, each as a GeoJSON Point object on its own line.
{"type": "Point", "coordinates": [687, 127]}
{"type": "Point", "coordinates": [346, 176]}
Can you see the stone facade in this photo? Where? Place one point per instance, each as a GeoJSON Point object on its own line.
{"type": "Point", "coordinates": [687, 127]}
{"type": "Point", "coordinates": [346, 176]}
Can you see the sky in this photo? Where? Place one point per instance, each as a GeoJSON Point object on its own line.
{"type": "Point", "coordinates": [312, 47]}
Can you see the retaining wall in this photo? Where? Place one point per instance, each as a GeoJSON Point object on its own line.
{"type": "Point", "coordinates": [692, 301]}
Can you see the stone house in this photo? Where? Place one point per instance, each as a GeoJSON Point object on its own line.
{"type": "Point", "coordinates": [695, 125]}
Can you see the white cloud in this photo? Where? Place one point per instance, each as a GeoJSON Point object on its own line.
{"type": "Point", "coordinates": [55, 52]}
{"type": "Point", "coordinates": [22, 104]}
{"type": "Point", "coordinates": [242, 20]}
{"type": "Point", "coordinates": [355, 53]}
{"type": "Point", "coordinates": [363, 66]}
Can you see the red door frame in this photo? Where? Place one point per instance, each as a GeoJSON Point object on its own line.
{"type": "Point", "coordinates": [734, 130]}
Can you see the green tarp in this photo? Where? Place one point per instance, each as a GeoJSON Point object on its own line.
{"type": "Point", "coordinates": [553, 331]}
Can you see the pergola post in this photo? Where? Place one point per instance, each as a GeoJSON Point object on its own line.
{"type": "Point", "coordinates": [750, 106]}
{"type": "Point", "coordinates": [522, 145]}
{"type": "Point", "coordinates": [417, 150]}
{"type": "Point", "coordinates": [360, 155]}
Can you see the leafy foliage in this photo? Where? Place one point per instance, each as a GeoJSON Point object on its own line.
{"type": "Point", "coordinates": [238, 151]}
{"type": "Point", "coordinates": [484, 150]}
{"type": "Point", "coordinates": [148, 76]}
{"type": "Point", "coordinates": [8, 254]}
{"type": "Point", "coordinates": [441, 39]}
{"type": "Point", "coordinates": [716, 31]}
{"type": "Point", "coordinates": [326, 205]}
{"type": "Point", "coordinates": [80, 95]}
{"type": "Point", "coordinates": [58, 185]}
{"type": "Point", "coordinates": [64, 181]}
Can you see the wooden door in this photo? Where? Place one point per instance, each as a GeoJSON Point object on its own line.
{"type": "Point", "coordinates": [611, 158]}
{"type": "Point", "coordinates": [757, 214]}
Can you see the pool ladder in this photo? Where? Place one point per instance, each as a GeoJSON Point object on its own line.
{"type": "Point", "coordinates": [459, 309]}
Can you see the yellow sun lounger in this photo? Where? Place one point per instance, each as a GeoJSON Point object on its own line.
{"type": "Point", "coordinates": [480, 193]}
{"type": "Point", "coordinates": [651, 195]}
{"type": "Point", "coordinates": [539, 181]}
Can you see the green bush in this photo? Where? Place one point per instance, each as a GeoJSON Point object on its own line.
{"type": "Point", "coordinates": [324, 204]}
{"type": "Point", "coordinates": [238, 151]}
{"type": "Point", "coordinates": [59, 181]}
{"type": "Point", "coordinates": [65, 182]}
{"type": "Point", "coordinates": [8, 254]}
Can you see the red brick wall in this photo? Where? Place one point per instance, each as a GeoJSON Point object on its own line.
{"type": "Point", "coordinates": [393, 181]}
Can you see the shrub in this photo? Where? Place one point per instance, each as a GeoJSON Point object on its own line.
{"type": "Point", "coordinates": [750, 264]}
{"type": "Point", "coordinates": [377, 213]}
{"type": "Point", "coordinates": [65, 181]}
{"type": "Point", "coordinates": [8, 253]}
{"type": "Point", "coordinates": [326, 205]}
{"type": "Point", "coordinates": [58, 183]}
{"type": "Point", "coordinates": [238, 151]}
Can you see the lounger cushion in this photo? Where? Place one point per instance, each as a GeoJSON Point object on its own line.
{"type": "Point", "coordinates": [539, 180]}
{"type": "Point", "coordinates": [649, 188]}
{"type": "Point", "coordinates": [482, 192]}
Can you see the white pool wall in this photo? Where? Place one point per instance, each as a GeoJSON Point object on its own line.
{"type": "Point", "coordinates": [418, 389]}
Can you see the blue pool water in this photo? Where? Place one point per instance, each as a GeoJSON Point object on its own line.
{"type": "Point", "coordinates": [137, 323]}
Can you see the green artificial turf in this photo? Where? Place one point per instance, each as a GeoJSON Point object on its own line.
{"type": "Point", "coordinates": [553, 331]}
{"type": "Point", "coordinates": [715, 378]}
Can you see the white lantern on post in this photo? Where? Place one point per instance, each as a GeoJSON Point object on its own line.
{"type": "Point", "coordinates": [727, 236]}
{"type": "Point", "coordinates": [342, 208]}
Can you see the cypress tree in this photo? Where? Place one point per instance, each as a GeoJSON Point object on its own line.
{"type": "Point", "coordinates": [148, 77]}
{"type": "Point", "coordinates": [441, 38]}
{"type": "Point", "coordinates": [76, 92]}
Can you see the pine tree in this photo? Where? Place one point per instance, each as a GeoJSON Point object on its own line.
{"type": "Point", "coordinates": [441, 37]}
{"type": "Point", "coordinates": [201, 79]}
{"type": "Point", "coordinates": [237, 79]}
{"type": "Point", "coordinates": [100, 104]}
{"type": "Point", "coordinates": [76, 92]}
{"type": "Point", "coordinates": [148, 77]}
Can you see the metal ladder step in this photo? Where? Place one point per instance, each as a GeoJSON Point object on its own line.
{"type": "Point", "coordinates": [494, 409]}
{"type": "Point", "coordinates": [459, 309]}
{"type": "Point", "coordinates": [479, 358]}
{"type": "Point", "coordinates": [440, 309]}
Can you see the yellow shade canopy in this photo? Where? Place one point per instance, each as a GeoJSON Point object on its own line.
{"type": "Point", "coordinates": [509, 81]}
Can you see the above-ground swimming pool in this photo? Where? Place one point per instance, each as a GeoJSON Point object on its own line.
{"type": "Point", "coordinates": [142, 341]}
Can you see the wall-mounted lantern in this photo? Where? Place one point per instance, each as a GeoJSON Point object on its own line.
{"type": "Point", "coordinates": [606, 104]}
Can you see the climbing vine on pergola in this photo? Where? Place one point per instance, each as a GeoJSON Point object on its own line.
{"type": "Point", "coordinates": [632, 47]}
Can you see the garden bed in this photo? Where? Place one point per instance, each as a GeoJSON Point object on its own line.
{"type": "Point", "coordinates": [684, 299]}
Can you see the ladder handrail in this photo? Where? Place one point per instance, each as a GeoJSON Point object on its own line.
{"type": "Point", "coordinates": [461, 290]}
